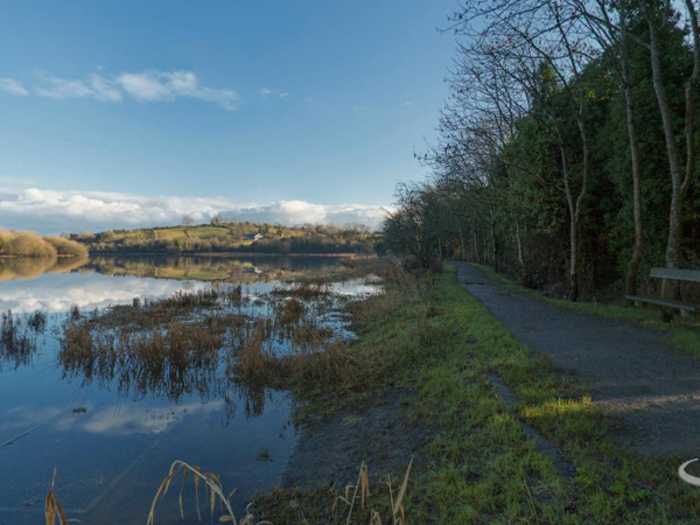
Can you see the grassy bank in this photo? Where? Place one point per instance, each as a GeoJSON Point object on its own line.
{"type": "Point", "coordinates": [434, 338]}
{"type": "Point", "coordinates": [684, 332]}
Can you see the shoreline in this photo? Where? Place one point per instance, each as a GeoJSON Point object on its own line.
{"type": "Point", "coordinates": [234, 254]}
{"type": "Point", "coordinates": [57, 256]}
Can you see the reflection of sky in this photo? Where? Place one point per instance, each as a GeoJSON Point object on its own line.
{"type": "Point", "coordinates": [57, 292]}
{"type": "Point", "coordinates": [117, 437]}
{"type": "Point", "coordinates": [36, 405]}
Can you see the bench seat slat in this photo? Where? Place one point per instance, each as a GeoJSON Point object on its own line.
{"type": "Point", "coordinates": [663, 302]}
{"type": "Point", "coordinates": [675, 273]}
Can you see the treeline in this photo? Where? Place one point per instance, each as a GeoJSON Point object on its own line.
{"type": "Point", "coordinates": [567, 148]}
{"type": "Point", "coordinates": [220, 236]}
{"type": "Point", "coordinates": [30, 244]}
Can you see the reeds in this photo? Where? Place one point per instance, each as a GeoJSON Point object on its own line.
{"type": "Point", "coordinates": [173, 346]}
{"type": "Point", "coordinates": [169, 361]}
{"type": "Point", "coordinates": [209, 487]}
{"type": "Point", "coordinates": [53, 509]}
{"type": "Point", "coordinates": [213, 494]}
{"type": "Point", "coordinates": [397, 511]}
{"type": "Point", "coordinates": [18, 338]}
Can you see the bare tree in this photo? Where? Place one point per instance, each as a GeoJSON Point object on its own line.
{"type": "Point", "coordinates": [608, 24]}
{"type": "Point", "coordinates": [528, 38]}
{"type": "Point", "coordinates": [655, 13]}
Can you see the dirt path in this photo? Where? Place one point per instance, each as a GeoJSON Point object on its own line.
{"type": "Point", "coordinates": [631, 371]}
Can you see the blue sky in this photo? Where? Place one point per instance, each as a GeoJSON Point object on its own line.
{"type": "Point", "coordinates": [246, 103]}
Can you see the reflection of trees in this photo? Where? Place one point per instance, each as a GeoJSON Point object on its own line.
{"type": "Point", "coordinates": [32, 267]}
{"type": "Point", "coordinates": [208, 268]}
{"type": "Point", "coordinates": [126, 359]}
{"type": "Point", "coordinates": [253, 397]}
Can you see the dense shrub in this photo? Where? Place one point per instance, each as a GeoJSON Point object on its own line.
{"type": "Point", "coordinates": [67, 246]}
{"type": "Point", "coordinates": [30, 244]}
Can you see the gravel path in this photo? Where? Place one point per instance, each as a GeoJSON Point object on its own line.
{"type": "Point", "coordinates": [631, 371]}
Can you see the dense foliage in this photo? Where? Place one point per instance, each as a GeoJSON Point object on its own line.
{"type": "Point", "coordinates": [29, 244]}
{"type": "Point", "coordinates": [567, 148]}
{"type": "Point", "coordinates": [234, 236]}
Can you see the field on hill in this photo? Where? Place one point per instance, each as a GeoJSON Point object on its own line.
{"type": "Point", "coordinates": [231, 237]}
{"type": "Point", "coordinates": [198, 232]}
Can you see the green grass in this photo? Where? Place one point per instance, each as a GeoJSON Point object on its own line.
{"type": "Point", "coordinates": [480, 467]}
{"type": "Point", "coordinates": [683, 332]}
{"type": "Point", "coordinates": [195, 232]}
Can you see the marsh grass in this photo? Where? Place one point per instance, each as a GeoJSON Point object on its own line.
{"type": "Point", "coordinates": [305, 290]}
{"type": "Point", "coordinates": [169, 361]}
{"type": "Point", "coordinates": [369, 500]}
{"type": "Point", "coordinates": [19, 337]}
{"type": "Point", "coordinates": [175, 345]}
{"type": "Point", "coordinates": [479, 467]}
{"type": "Point", "coordinates": [52, 508]}
{"type": "Point", "coordinates": [397, 514]}
{"type": "Point", "coordinates": [213, 493]}
{"type": "Point", "coordinates": [37, 321]}
{"type": "Point", "coordinates": [356, 502]}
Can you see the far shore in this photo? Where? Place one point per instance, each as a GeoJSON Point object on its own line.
{"type": "Point", "coordinates": [234, 254]}
{"type": "Point", "coordinates": [57, 256]}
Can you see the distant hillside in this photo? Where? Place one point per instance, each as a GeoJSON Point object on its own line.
{"type": "Point", "coordinates": [244, 237]}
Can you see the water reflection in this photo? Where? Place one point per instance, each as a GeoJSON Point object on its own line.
{"type": "Point", "coordinates": [32, 267]}
{"type": "Point", "coordinates": [208, 268]}
{"type": "Point", "coordinates": [135, 416]}
{"type": "Point", "coordinates": [53, 285]}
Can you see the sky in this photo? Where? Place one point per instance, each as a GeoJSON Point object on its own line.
{"type": "Point", "coordinates": [133, 113]}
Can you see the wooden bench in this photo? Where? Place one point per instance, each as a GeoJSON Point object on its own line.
{"type": "Point", "coordinates": [669, 274]}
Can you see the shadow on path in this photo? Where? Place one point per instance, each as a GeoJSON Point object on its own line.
{"type": "Point", "coordinates": [632, 373]}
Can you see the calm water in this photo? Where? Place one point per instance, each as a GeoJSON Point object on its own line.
{"type": "Point", "coordinates": [112, 457]}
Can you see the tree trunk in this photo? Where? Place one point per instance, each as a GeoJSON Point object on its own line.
{"type": "Point", "coordinates": [475, 243]}
{"type": "Point", "coordinates": [679, 187]}
{"type": "Point", "coordinates": [573, 221]}
{"type": "Point", "coordinates": [519, 243]}
{"type": "Point", "coordinates": [674, 222]}
{"type": "Point", "coordinates": [494, 240]}
{"type": "Point", "coordinates": [633, 265]}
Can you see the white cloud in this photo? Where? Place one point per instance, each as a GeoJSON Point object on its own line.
{"type": "Point", "coordinates": [408, 104]}
{"type": "Point", "coordinates": [59, 88]}
{"type": "Point", "coordinates": [13, 86]}
{"type": "Point", "coordinates": [105, 90]}
{"type": "Point", "coordinates": [267, 92]}
{"type": "Point", "coordinates": [359, 109]}
{"type": "Point", "coordinates": [146, 86]}
{"type": "Point", "coordinates": [49, 211]}
{"type": "Point", "coordinates": [153, 86]}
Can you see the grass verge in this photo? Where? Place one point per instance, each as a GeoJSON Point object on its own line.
{"type": "Point", "coordinates": [479, 466]}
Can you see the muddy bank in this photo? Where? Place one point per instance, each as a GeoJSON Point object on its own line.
{"type": "Point", "coordinates": [382, 435]}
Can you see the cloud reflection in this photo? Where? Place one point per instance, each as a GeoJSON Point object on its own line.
{"type": "Point", "coordinates": [56, 293]}
{"type": "Point", "coordinates": [144, 420]}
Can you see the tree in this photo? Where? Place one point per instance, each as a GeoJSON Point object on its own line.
{"type": "Point", "coordinates": [656, 14]}
{"type": "Point", "coordinates": [187, 220]}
